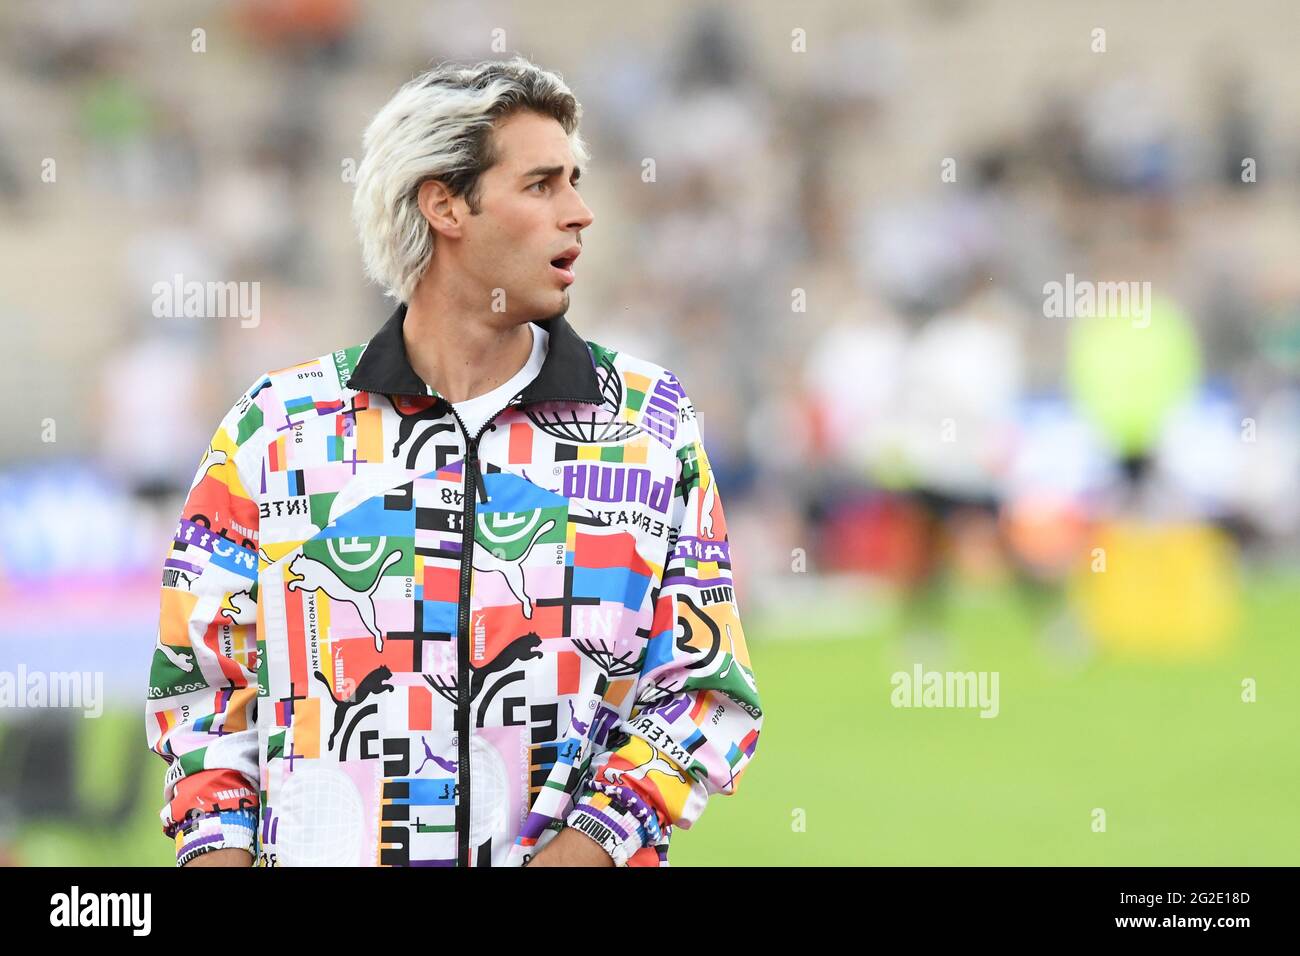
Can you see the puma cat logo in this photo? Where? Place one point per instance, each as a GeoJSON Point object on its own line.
{"type": "Point", "coordinates": [520, 649]}
{"type": "Point", "coordinates": [444, 763]}
{"type": "Point", "coordinates": [316, 576]}
{"type": "Point", "coordinates": [638, 773]}
{"type": "Point", "coordinates": [486, 562]}
{"type": "Point", "coordinates": [239, 607]}
{"type": "Point", "coordinates": [181, 659]}
{"type": "Point", "coordinates": [578, 725]}
{"type": "Point", "coordinates": [372, 683]}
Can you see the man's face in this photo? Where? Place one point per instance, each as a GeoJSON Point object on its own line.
{"type": "Point", "coordinates": [530, 215]}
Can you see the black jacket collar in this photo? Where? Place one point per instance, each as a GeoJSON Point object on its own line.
{"type": "Point", "coordinates": [568, 373]}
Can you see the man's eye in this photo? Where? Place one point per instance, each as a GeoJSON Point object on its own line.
{"type": "Point", "coordinates": [541, 182]}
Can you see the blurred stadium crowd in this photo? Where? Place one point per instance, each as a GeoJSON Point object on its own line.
{"type": "Point", "coordinates": [847, 247]}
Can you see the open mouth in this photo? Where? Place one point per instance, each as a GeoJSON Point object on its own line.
{"type": "Point", "coordinates": [564, 266]}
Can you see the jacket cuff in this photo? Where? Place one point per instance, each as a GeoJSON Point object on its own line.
{"type": "Point", "coordinates": [225, 830]}
{"type": "Point", "coordinates": [617, 819]}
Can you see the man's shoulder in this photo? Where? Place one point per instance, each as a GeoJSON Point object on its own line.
{"type": "Point", "coordinates": [649, 393]}
{"type": "Point", "coordinates": [635, 373]}
{"type": "Point", "coordinates": [319, 376]}
{"type": "Point", "coordinates": [318, 383]}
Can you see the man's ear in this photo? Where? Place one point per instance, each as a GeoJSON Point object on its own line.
{"type": "Point", "coordinates": [440, 208]}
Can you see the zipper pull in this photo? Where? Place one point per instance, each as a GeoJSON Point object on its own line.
{"type": "Point", "coordinates": [471, 461]}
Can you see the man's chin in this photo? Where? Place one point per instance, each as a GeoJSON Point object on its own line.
{"type": "Point", "coordinates": [558, 305]}
{"type": "Point", "coordinates": [549, 307]}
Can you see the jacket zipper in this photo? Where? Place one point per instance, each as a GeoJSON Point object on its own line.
{"type": "Point", "coordinates": [474, 491]}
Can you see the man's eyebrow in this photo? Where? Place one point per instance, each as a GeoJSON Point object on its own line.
{"type": "Point", "coordinates": [549, 171]}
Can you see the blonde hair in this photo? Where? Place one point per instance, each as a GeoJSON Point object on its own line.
{"type": "Point", "coordinates": [438, 126]}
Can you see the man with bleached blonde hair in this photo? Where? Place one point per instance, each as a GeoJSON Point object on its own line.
{"type": "Point", "coordinates": [460, 595]}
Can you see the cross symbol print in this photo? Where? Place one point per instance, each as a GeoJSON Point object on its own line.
{"type": "Point", "coordinates": [417, 639]}
{"type": "Point", "coordinates": [293, 696]}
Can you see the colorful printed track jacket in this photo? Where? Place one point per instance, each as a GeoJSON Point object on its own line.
{"type": "Point", "coordinates": [386, 642]}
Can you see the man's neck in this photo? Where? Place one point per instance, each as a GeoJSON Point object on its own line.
{"type": "Point", "coordinates": [461, 352]}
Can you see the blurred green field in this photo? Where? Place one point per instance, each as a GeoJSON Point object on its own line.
{"type": "Point", "coordinates": [1187, 773]}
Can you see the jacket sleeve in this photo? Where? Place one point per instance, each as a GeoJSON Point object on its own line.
{"type": "Point", "coordinates": [694, 726]}
{"type": "Point", "coordinates": [201, 711]}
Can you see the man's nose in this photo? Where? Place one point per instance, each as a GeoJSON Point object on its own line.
{"type": "Point", "coordinates": [580, 217]}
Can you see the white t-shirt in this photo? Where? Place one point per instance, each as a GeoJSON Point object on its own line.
{"type": "Point", "coordinates": [474, 412]}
